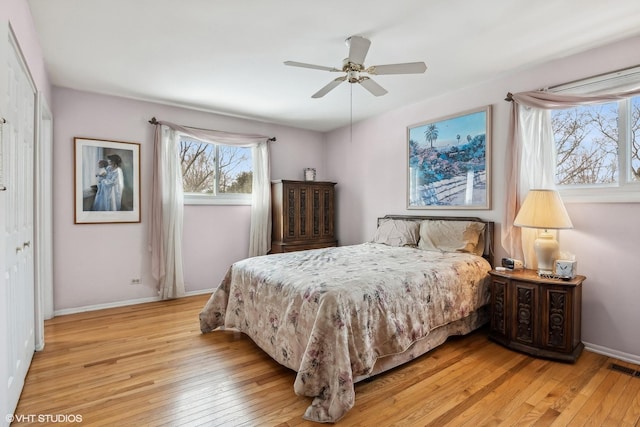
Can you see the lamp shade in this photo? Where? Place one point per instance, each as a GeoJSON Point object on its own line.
{"type": "Point", "coordinates": [543, 209]}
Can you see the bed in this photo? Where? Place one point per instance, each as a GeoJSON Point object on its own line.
{"type": "Point", "coordinates": [339, 315]}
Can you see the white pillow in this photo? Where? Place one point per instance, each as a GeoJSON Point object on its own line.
{"type": "Point", "coordinates": [452, 236]}
{"type": "Point", "coordinates": [397, 232]}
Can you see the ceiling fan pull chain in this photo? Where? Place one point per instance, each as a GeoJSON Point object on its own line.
{"type": "Point", "coordinates": [351, 115]}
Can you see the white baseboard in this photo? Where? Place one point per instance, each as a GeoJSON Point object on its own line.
{"type": "Point", "coordinates": [605, 351]}
{"type": "Point", "coordinates": [121, 303]}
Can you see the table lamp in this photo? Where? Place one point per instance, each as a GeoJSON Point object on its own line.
{"type": "Point", "coordinates": [544, 209]}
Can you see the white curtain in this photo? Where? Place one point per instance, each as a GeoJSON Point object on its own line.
{"type": "Point", "coordinates": [167, 207]}
{"type": "Point", "coordinates": [260, 234]}
{"type": "Point", "coordinates": [538, 153]}
{"type": "Point", "coordinates": [167, 200]}
{"type": "Point", "coordinates": [533, 158]}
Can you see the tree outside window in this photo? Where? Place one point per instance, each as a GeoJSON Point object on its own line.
{"type": "Point", "coordinates": [598, 145]}
{"type": "Point", "coordinates": [215, 170]}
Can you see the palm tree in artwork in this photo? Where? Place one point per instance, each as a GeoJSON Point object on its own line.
{"type": "Point", "coordinates": [458, 138]}
{"type": "Point", "coordinates": [431, 134]}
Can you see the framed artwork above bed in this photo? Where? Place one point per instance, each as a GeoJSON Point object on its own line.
{"type": "Point", "coordinates": [449, 162]}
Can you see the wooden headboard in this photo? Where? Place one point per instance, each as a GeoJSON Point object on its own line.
{"type": "Point", "coordinates": [488, 229]}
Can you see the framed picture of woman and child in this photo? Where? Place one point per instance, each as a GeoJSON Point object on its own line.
{"type": "Point", "coordinates": [107, 181]}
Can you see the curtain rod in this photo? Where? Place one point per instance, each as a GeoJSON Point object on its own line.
{"type": "Point", "coordinates": [153, 121]}
{"type": "Point", "coordinates": [509, 97]}
{"type": "Point", "coordinates": [613, 74]}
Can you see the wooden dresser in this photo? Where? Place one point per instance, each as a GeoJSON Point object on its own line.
{"type": "Point", "coordinates": [303, 215]}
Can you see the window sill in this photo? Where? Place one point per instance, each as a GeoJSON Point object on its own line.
{"type": "Point", "coordinates": [601, 195]}
{"type": "Point", "coordinates": [218, 201]}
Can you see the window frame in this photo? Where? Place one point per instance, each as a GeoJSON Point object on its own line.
{"type": "Point", "coordinates": [225, 199]}
{"type": "Point", "coordinates": [235, 199]}
{"type": "Point", "coordinates": [625, 190]}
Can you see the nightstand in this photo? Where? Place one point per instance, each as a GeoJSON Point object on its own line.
{"type": "Point", "coordinates": [538, 316]}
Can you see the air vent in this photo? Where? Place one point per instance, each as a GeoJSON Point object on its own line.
{"type": "Point", "coordinates": [624, 370]}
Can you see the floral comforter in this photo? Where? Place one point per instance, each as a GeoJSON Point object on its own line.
{"type": "Point", "coordinates": [330, 313]}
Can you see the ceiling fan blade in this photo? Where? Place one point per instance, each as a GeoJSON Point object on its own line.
{"type": "Point", "coordinates": [315, 67]}
{"type": "Point", "coordinates": [373, 87]}
{"type": "Point", "coordinates": [406, 68]}
{"type": "Point", "coordinates": [358, 48]}
{"type": "Point", "coordinates": [328, 88]}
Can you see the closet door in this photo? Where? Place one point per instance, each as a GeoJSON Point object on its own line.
{"type": "Point", "coordinates": [17, 227]}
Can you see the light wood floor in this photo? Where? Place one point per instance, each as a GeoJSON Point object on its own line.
{"type": "Point", "coordinates": [150, 365]}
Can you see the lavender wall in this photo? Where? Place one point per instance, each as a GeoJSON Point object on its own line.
{"type": "Point", "coordinates": [94, 263]}
{"type": "Point", "coordinates": [371, 172]}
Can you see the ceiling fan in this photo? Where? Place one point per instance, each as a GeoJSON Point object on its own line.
{"type": "Point", "coordinates": [354, 68]}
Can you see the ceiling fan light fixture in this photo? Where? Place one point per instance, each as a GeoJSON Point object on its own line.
{"type": "Point", "coordinates": [348, 66]}
{"type": "Point", "coordinates": [353, 67]}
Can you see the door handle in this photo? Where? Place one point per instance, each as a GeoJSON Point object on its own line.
{"type": "Point", "coordinates": [26, 244]}
{"type": "Point", "coordinates": [18, 249]}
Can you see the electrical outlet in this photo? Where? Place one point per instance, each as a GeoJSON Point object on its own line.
{"type": "Point", "coordinates": [135, 281]}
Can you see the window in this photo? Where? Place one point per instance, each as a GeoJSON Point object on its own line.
{"type": "Point", "coordinates": [215, 173]}
{"type": "Point", "coordinates": [598, 146]}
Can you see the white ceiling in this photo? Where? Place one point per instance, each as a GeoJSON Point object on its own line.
{"type": "Point", "coordinates": [227, 55]}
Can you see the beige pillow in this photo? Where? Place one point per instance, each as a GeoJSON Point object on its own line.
{"type": "Point", "coordinates": [452, 236]}
{"type": "Point", "coordinates": [397, 232]}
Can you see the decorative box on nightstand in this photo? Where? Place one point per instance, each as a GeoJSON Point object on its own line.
{"type": "Point", "coordinates": [535, 315]}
